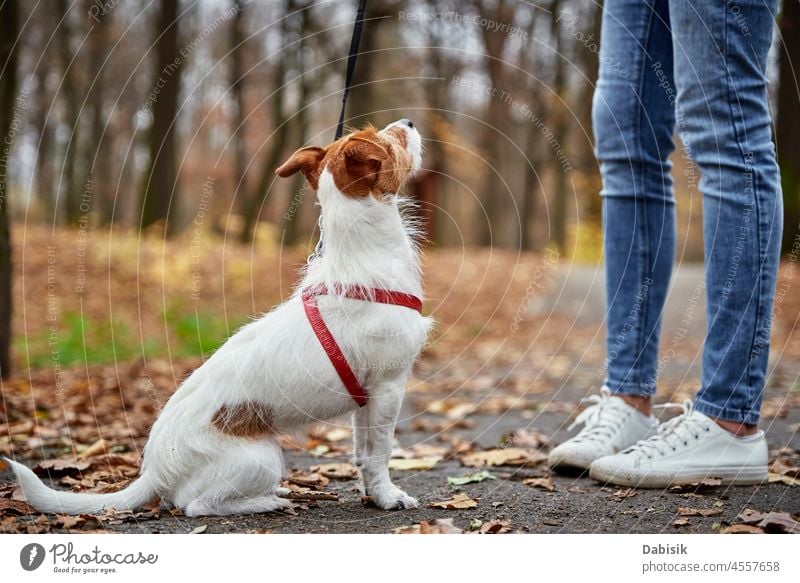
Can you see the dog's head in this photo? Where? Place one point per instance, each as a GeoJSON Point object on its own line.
{"type": "Point", "coordinates": [366, 162]}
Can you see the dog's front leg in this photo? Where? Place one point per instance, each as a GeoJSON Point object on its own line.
{"type": "Point", "coordinates": [382, 410]}
{"type": "Point", "coordinates": [360, 435]}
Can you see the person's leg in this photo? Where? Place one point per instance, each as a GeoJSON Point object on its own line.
{"type": "Point", "coordinates": [720, 61]}
{"type": "Point", "coordinates": [724, 122]}
{"type": "Point", "coordinates": [633, 123]}
{"type": "Point", "coordinates": [634, 120]}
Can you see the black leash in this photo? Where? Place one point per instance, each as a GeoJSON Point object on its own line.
{"type": "Point", "coordinates": [358, 27]}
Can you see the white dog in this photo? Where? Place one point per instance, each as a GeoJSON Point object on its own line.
{"type": "Point", "coordinates": [347, 337]}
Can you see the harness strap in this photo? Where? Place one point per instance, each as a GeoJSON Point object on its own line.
{"type": "Point", "coordinates": [328, 342]}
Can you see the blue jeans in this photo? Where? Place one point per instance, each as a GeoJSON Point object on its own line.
{"type": "Point", "coordinates": [698, 67]}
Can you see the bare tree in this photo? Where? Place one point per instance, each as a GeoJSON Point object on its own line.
{"type": "Point", "coordinates": [9, 33]}
{"type": "Point", "coordinates": [71, 97]}
{"type": "Point", "coordinates": [277, 143]}
{"type": "Point", "coordinates": [788, 126]}
{"type": "Point", "coordinates": [96, 151]}
{"type": "Point", "coordinates": [497, 114]}
{"type": "Point", "coordinates": [160, 184]}
{"type": "Point", "coordinates": [236, 58]}
{"type": "Point", "coordinates": [560, 128]}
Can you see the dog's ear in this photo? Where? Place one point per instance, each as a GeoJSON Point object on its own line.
{"type": "Point", "coordinates": [362, 161]}
{"type": "Point", "coordinates": [305, 160]}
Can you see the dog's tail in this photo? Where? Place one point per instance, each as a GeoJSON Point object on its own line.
{"type": "Point", "coordinates": [38, 495]}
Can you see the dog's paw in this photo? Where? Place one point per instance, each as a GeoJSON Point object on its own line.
{"type": "Point", "coordinates": [281, 491]}
{"type": "Point", "coordinates": [392, 498]}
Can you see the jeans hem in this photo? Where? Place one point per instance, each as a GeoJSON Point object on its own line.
{"type": "Point", "coordinates": [630, 388]}
{"type": "Point", "coordinates": [747, 417]}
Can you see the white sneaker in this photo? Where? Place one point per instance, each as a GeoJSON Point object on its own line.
{"type": "Point", "coordinates": [610, 425]}
{"type": "Point", "coordinates": [686, 449]}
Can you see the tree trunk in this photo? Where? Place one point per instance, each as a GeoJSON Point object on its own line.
{"type": "Point", "coordinates": [70, 190]}
{"type": "Point", "coordinates": [560, 126]}
{"type": "Point", "coordinates": [160, 189]}
{"type": "Point", "coordinates": [45, 127]}
{"type": "Point", "coordinates": [237, 67]}
{"type": "Point", "coordinates": [788, 123]}
{"type": "Point", "coordinates": [298, 190]}
{"type": "Point", "coordinates": [277, 143]}
{"type": "Point", "coordinates": [497, 119]}
{"type": "Point", "coordinates": [97, 161]}
{"type": "Point", "coordinates": [9, 32]}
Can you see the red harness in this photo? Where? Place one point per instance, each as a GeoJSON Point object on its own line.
{"type": "Point", "coordinates": [329, 345]}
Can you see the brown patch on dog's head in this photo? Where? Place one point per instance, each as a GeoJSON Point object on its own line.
{"type": "Point", "coordinates": [249, 420]}
{"type": "Point", "coordinates": [362, 163]}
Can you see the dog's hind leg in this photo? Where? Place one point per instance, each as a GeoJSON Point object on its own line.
{"type": "Point", "coordinates": [241, 476]}
{"type": "Point", "coordinates": [201, 507]}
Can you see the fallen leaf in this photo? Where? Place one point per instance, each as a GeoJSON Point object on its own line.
{"type": "Point", "coordinates": [526, 437]}
{"type": "Point", "coordinates": [741, 529]}
{"type": "Point", "coordinates": [61, 467]}
{"type": "Point", "coordinates": [309, 479]}
{"type": "Point", "coordinates": [97, 448]}
{"type": "Point", "coordinates": [545, 483]}
{"type": "Point", "coordinates": [309, 494]}
{"type": "Point", "coordinates": [457, 502]}
{"type": "Point", "coordinates": [3, 465]}
{"type": "Point", "coordinates": [200, 529]}
{"type": "Point", "coordinates": [681, 522]}
{"type": "Point", "coordinates": [783, 479]}
{"type": "Point", "coordinates": [624, 493]}
{"type": "Point", "coordinates": [785, 468]}
{"type": "Point", "coordinates": [16, 507]}
{"type": "Point", "coordinates": [435, 526]}
{"type": "Point", "coordinates": [471, 478]}
{"type": "Point", "coordinates": [551, 522]}
{"type": "Point", "coordinates": [69, 522]}
{"type": "Point", "coordinates": [337, 471]}
{"type": "Point", "coordinates": [419, 464]}
{"type": "Point", "coordinates": [771, 521]}
{"type": "Point", "coordinates": [510, 456]}
{"type": "Point", "coordinates": [495, 527]}
{"type": "Point", "coordinates": [683, 511]}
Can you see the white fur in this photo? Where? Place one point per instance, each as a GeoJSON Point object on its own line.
{"type": "Point", "coordinates": [278, 361]}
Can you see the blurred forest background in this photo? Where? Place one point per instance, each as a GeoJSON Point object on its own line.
{"type": "Point", "coordinates": [140, 139]}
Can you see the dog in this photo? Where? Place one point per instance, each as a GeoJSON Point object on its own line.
{"type": "Point", "coordinates": [345, 342]}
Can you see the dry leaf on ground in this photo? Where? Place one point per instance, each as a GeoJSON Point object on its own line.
{"type": "Point", "coordinates": [457, 502]}
{"type": "Point", "coordinates": [545, 483]}
{"type": "Point", "coordinates": [495, 527]}
{"type": "Point", "coordinates": [783, 479]}
{"type": "Point", "coordinates": [741, 529]}
{"type": "Point", "coordinates": [527, 437]}
{"type": "Point", "coordinates": [510, 456]}
{"type": "Point", "coordinates": [771, 521]}
{"type": "Point", "coordinates": [435, 526]}
{"type": "Point", "coordinates": [471, 478]}
{"type": "Point", "coordinates": [309, 479]}
{"type": "Point", "coordinates": [683, 511]}
{"type": "Point", "coordinates": [341, 471]}
{"type": "Point", "coordinates": [413, 464]}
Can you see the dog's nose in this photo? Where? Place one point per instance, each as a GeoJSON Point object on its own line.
{"type": "Point", "coordinates": [407, 122]}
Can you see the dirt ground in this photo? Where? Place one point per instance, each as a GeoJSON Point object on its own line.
{"type": "Point", "coordinates": [470, 398]}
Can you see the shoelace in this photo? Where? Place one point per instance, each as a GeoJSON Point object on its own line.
{"type": "Point", "coordinates": [600, 421]}
{"type": "Point", "coordinates": [671, 434]}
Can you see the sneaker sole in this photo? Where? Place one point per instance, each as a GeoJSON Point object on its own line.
{"type": "Point", "coordinates": [727, 476]}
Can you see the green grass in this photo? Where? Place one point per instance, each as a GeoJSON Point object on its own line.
{"type": "Point", "coordinates": [79, 339]}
